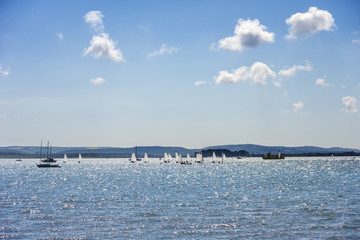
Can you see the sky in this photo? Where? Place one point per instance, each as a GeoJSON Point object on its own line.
{"type": "Point", "coordinates": [180, 73]}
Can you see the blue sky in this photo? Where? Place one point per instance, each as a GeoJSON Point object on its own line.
{"type": "Point", "coordinates": [180, 73]}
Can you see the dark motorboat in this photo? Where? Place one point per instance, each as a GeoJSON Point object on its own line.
{"type": "Point", "coordinates": [47, 165]}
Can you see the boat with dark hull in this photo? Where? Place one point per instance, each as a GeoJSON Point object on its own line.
{"type": "Point", "coordinates": [274, 157]}
{"type": "Point", "coordinates": [49, 162]}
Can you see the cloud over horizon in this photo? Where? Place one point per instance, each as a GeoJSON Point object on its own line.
{"type": "Point", "coordinates": [259, 72]}
{"type": "Point", "coordinates": [97, 81]}
{"type": "Point", "coordinates": [247, 34]}
{"type": "Point", "coordinates": [350, 104]}
{"type": "Point", "coordinates": [94, 18]}
{"type": "Point", "coordinates": [291, 71]}
{"type": "Point", "coordinates": [310, 22]}
{"type": "Point", "coordinates": [164, 50]}
{"type": "Point", "coordinates": [103, 45]}
{"type": "Point", "coordinates": [298, 106]}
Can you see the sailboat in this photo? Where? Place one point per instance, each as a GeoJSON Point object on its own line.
{"type": "Point", "coordinates": [199, 158]}
{"type": "Point", "coordinates": [188, 160]}
{"type": "Point", "coordinates": [170, 157]}
{"type": "Point", "coordinates": [214, 157]}
{"type": "Point", "coordinates": [80, 158]}
{"type": "Point", "coordinates": [166, 158]}
{"type": "Point", "coordinates": [133, 158]}
{"type": "Point", "coordinates": [146, 158]}
{"type": "Point", "coordinates": [65, 158]}
{"type": "Point", "coordinates": [176, 157]}
{"type": "Point", "coordinates": [46, 163]}
{"type": "Point", "coordinates": [48, 159]}
{"type": "Point", "coordinates": [223, 157]}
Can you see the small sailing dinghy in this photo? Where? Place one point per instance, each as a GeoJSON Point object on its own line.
{"type": "Point", "coordinates": [146, 158]}
{"type": "Point", "coordinates": [188, 160]}
{"type": "Point", "coordinates": [214, 158]}
{"type": "Point", "coordinates": [65, 158]}
{"type": "Point", "coordinates": [80, 158]}
{"type": "Point", "coordinates": [166, 158]}
{"type": "Point", "coordinates": [133, 158]}
{"type": "Point", "coordinates": [223, 157]}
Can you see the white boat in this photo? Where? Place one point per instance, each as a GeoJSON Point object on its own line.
{"type": "Point", "coordinates": [65, 158]}
{"type": "Point", "coordinates": [214, 157]}
{"type": "Point", "coordinates": [199, 158]}
{"type": "Point", "coordinates": [133, 158]}
{"type": "Point", "coordinates": [80, 158]}
{"type": "Point", "coordinates": [170, 157]}
{"type": "Point", "coordinates": [146, 158]}
{"type": "Point", "coordinates": [223, 157]}
{"type": "Point", "coordinates": [166, 158]}
{"type": "Point", "coordinates": [176, 158]}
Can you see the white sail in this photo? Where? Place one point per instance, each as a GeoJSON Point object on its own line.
{"type": "Point", "coordinates": [176, 157]}
{"type": "Point", "coordinates": [188, 158]}
{"type": "Point", "coordinates": [180, 159]}
{"type": "Point", "coordinates": [133, 158]}
{"type": "Point", "coordinates": [146, 158]}
{"type": "Point", "coordinates": [223, 157]}
{"type": "Point", "coordinates": [80, 158]}
{"type": "Point", "coordinates": [214, 157]}
{"type": "Point", "coordinates": [65, 158]}
{"type": "Point", "coordinates": [170, 157]}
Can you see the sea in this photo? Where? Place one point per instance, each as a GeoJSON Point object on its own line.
{"type": "Point", "coordinates": [250, 198]}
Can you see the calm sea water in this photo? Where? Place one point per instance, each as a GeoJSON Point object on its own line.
{"type": "Point", "coordinates": [310, 198]}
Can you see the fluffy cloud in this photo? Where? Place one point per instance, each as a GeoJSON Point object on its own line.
{"type": "Point", "coordinates": [97, 81]}
{"type": "Point", "coordinates": [321, 82]}
{"type": "Point", "coordinates": [310, 22]}
{"type": "Point", "coordinates": [94, 18]}
{"type": "Point", "coordinates": [60, 36]}
{"type": "Point", "coordinates": [4, 72]}
{"type": "Point", "coordinates": [248, 34]}
{"type": "Point", "coordinates": [164, 50]}
{"type": "Point", "coordinates": [103, 45]}
{"type": "Point", "coordinates": [238, 75]}
{"type": "Point", "coordinates": [259, 72]}
{"type": "Point", "coordinates": [199, 83]}
{"type": "Point", "coordinates": [291, 71]}
{"type": "Point", "coordinates": [298, 106]}
{"type": "Point", "coordinates": [350, 104]}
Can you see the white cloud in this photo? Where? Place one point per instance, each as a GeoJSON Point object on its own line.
{"type": "Point", "coordinates": [248, 34]}
{"type": "Point", "coordinates": [291, 71]}
{"type": "Point", "coordinates": [97, 81]}
{"type": "Point", "coordinates": [276, 83]}
{"type": "Point", "coordinates": [94, 18]}
{"type": "Point", "coordinates": [199, 83]}
{"type": "Point", "coordinates": [321, 82]}
{"type": "Point", "coordinates": [350, 104]}
{"type": "Point", "coordinates": [239, 75]}
{"type": "Point", "coordinates": [4, 72]}
{"type": "Point", "coordinates": [258, 73]}
{"type": "Point", "coordinates": [164, 50]}
{"type": "Point", "coordinates": [310, 22]}
{"type": "Point", "coordinates": [298, 106]}
{"type": "Point", "coordinates": [103, 45]}
{"type": "Point", "coordinates": [60, 36]}
{"type": "Point", "coordinates": [356, 41]}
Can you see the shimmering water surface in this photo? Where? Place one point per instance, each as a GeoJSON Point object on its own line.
{"type": "Point", "coordinates": [309, 198]}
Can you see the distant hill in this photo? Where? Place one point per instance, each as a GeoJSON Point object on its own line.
{"type": "Point", "coordinates": [158, 151]}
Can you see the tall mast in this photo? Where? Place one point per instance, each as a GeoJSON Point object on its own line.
{"type": "Point", "coordinates": [40, 150]}
{"type": "Point", "coordinates": [47, 153]}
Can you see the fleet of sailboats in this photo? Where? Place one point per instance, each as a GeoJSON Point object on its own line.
{"type": "Point", "coordinates": [50, 162]}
